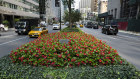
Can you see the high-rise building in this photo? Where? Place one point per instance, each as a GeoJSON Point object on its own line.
{"type": "Point", "coordinates": [11, 9]}
{"type": "Point", "coordinates": [85, 7]}
{"type": "Point", "coordinates": [102, 6]}
{"type": "Point", "coordinates": [53, 10]}
{"type": "Point", "coordinates": [85, 3]}
{"type": "Point", "coordinates": [94, 5]}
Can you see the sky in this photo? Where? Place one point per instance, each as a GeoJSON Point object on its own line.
{"type": "Point", "coordinates": [76, 4]}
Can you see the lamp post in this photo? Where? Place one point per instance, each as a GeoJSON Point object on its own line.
{"type": "Point", "coordinates": [60, 14]}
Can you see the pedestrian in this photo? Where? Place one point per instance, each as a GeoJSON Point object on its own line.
{"type": "Point", "coordinates": [1, 27]}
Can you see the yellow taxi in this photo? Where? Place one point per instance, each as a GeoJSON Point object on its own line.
{"type": "Point", "coordinates": [81, 26]}
{"type": "Point", "coordinates": [37, 32]}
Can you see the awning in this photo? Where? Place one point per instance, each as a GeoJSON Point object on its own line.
{"type": "Point", "coordinates": [132, 2]}
{"type": "Point", "coordinates": [103, 15]}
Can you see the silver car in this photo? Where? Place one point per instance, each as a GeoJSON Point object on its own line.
{"type": "Point", "coordinates": [56, 26]}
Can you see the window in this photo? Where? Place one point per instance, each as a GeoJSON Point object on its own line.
{"type": "Point", "coordinates": [115, 12]}
{"type": "Point", "coordinates": [1, 3]}
{"type": "Point", "coordinates": [56, 3]}
{"type": "Point", "coordinates": [109, 12]}
{"type": "Point", "coordinates": [112, 12]}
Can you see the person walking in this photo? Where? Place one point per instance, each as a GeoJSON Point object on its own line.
{"type": "Point", "coordinates": [1, 27]}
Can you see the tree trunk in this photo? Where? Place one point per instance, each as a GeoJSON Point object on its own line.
{"type": "Point", "coordinates": [70, 14]}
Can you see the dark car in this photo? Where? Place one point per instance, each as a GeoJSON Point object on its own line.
{"type": "Point", "coordinates": [89, 25]}
{"type": "Point", "coordinates": [95, 26]}
{"type": "Point", "coordinates": [110, 29]}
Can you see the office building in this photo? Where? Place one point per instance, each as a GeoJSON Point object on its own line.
{"type": "Point", "coordinates": [11, 9]}
{"type": "Point", "coordinates": [102, 6]}
{"type": "Point", "coordinates": [94, 5]}
{"type": "Point", "coordinates": [53, 11]}
{"type": "Point", "coordinates": [85, 8]}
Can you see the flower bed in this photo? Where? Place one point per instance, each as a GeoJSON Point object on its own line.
{"type": "Point", "coordinates": [82, 49]}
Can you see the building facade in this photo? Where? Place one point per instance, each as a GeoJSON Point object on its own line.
{"type": "Point", "coordinates": [94, 10]}
{"type": "Point", "coordinates": [102, 6]}
{"type": "Point", "coordinates": [42, 9]}
{"type": "Point", "coordinates": [11, 9]}
{"type": "Point", "coordinates": [53, 10]}
{"type": "Point", "coordinates": [124, 13]}
{"type": "Point", "coordinates": [114, 8]}
{"type": "Point", "coordinates": [129, 9]}
{"type": "Point", "coordinates": [94, 5]}
{"type": "Point", "coordinates": [85, 8]}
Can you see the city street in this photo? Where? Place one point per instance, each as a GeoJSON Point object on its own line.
{"type": "Point", "coordinates": [127, 45]}
{"type": "Point", "coordinates": [10, 40]}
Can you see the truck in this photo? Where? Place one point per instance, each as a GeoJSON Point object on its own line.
{"type": "Point", "coordinates": [24, 26]}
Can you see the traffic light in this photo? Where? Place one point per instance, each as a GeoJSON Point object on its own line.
{"type": "Point", "coordinates": [57, 3]}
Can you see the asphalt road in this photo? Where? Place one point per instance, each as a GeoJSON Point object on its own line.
{"type": "Point", "coordinates": [10, 40]}
{"type": "Point", "coordinates": [127, 45]}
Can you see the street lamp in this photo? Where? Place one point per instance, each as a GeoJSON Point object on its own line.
{"type": "Point", "coordinates": [60, 14]}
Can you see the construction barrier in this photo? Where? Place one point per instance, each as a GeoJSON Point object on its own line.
{"type": "Point", "coordinates": [133, 25]}
{"type": "Point", "coordinates": [122, 25]}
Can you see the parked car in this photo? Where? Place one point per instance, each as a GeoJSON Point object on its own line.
{"type": "Point", "coordinates": [89, 25]}
{"type": "Point", "coordinates": [37, 32]}
{"type": "Point", "coordinates": [56, 26]}
{"type": "Point", "coordinates": [95, 26]}
{"type": "Point", "coordinates": [67, 23]}
{"type": "Point", "coordinates": [110, 29]}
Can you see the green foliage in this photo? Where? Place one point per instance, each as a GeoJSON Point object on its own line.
{"type": "Point", "coordinates": [9, 70]}
{"type": "Point", "coordinates": [67, 29]}
{"type": "Point", "coordinates": [5, 22]}
{"type": "Point", "coordinates": [67, 2]}
{"type": "Point", "coordinates": [16, 20]}
{"type": "Point", "coordinates": [75, 16]}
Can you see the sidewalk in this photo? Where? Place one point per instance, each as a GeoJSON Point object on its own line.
{"type": "Point", "coordinates": [11, 31]}
{"type": "Point", "coordinates": [130, 32]}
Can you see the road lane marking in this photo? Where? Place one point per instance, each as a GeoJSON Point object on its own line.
{"type": "Point", "coordinates": [12, 41]}
{"type": "Point", "coordinates": [8, 35]}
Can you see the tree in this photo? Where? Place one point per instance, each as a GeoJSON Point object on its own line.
{"type": "Point", "coordinates": [75, 16]}
{"type": "Point", "coordinates": [6, 23]}
{"type": "Point", "coordinates": [68, 3]}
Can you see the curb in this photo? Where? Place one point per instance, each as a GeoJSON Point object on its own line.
{"type": "Point", "coordinates": [130, 32]}
{"type": "Point", "coordinates": [11, 28]}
